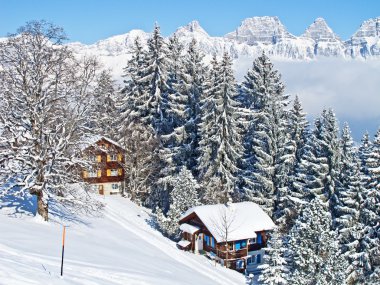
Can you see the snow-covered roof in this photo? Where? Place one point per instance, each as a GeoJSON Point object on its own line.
{"type": "Point", "coordinates": [245, 219]}
{"type": "Point", "coordinates": [183, 243]}
{"type": "Point", "coordinates": [94, 139]}
{"type": "Point", "coordinates": [188, 228]}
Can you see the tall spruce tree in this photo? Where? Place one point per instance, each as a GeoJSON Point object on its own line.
{"type": "Point", "coordinates": [174, 135]}
{"type": "Point", "coordinates": [370, 217]}
{"type": "Point", "coordinates": [131, 99]}
{"type": "Point", "coordinates": [266, 156]}
{"type": "Point", "coordinates": [319, 171]}
{"type": "Point", "coordinates": [349, 195]}
{"type": "Point", "coordinates": [104, 112]}
{"type": "Point", "coordinates": [154, 80]}
{"type": "Point", "coordinates": [274, 270]}
{"type": "Point", "coordinates": [220, 145]}
{"type": "Point", "coordinates": [315, 256]}
{"type": "Point", "coordinates": [195, 73]}
{"type": "Point", "coordinates": [184, 196]}
{"type": "Point", "coordinates": [297, 128]}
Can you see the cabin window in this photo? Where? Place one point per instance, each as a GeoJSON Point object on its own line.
{"type": "Point", "coordinates": [252, 240]}
{"type": "Point", "coordinates": [240, 244]}
{"type": "Point", "coordinates": [258, 258]}
{"type": "Point", "coordinates": [231, 246]}
{"type": "Point", "coordinates": [114, 172]}
{"type": "Point", "coordinates": [115, 186]}
{"type": "Point", "coordinates": [251, 260]}
{"type": "Point", "coordinates": [113, 157]}
{"type": "Point", "coordinates": [240, 264]}
{"type": "Point", "coordinates": [93, 173]}
{"type": "Point", "coordinates": [207, 239]}
{"type": "Point", "coordinates": [93, 158]}
{"type": "Point", "coordinates": [259, 239]}
{"type": "Point", "coordinates": [212, 242]}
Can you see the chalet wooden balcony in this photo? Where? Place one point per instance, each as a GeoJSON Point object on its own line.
{"type": "Point", "coordinates": [232, 254]}
{"type": "Point", "coordinates": [256, 246]}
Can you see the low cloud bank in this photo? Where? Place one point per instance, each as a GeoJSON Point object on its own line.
{"type": "Point", "coordinates": [350, 87]}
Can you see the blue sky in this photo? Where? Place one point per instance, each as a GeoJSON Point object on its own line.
{"type": "Point", "coordinates": [91, 20]}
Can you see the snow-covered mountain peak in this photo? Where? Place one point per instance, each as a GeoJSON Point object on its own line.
{"type": "Point", "coordinates": [369, 28]}
{"type": "Point", "coordinates": [366, 41]}
{"type": "Point", "coordinates": [266, 30]}
{"type": "Point", "coordinates": [115, 45]}
{"type": "Point", "coordinates": [320, 31]}
{"type": "Point", "coordinates": [193, 28]}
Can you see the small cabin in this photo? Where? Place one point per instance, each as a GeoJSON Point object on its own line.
{"type": "Point", "coordinates": [105, 171]}
{"type": "Point", "coordinates": [232, 234]}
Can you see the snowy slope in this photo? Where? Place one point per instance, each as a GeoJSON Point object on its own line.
{"type": "Point", "coordinates": [118, 248]}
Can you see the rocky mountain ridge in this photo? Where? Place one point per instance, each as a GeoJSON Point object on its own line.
{"type": "Point", "coordinates": [250, 39]}
{"type": "Point", "coordinates": [259, 34]}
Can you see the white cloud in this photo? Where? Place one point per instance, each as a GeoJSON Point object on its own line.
{"type": "Point", "coordinates": [350, 87]}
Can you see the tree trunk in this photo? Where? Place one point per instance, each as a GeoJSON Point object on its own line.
{"type": "Point", "coordinates": [42, 207]}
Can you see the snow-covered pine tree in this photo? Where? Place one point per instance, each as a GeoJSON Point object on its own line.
{"type": "Point", "coordinates": [131, 99]}
{"type": "Point", "coordinates": [177, 116]}
{"type": "Point", "coordinates": [150, 107]}
{"type": "Point", "coordinates": [322, 160]}
{"type": "Point", "coordinates": [184, 196]}
{"type": "Point", "coordinates": [193, 83]}
{"type": "Point", "coordinates": [297, 130]}
{"type": "Point", "coordinates": [365, 149]}
{"type": "Point", "coordinates": [266, 155]}
{"type": "Point", "coordinates": [44, 91]}
{"type": "Point", "coordinates": [315, 257]}
{"type": "Point", "coordinates": [141, 161]}
{"type": "Point", "coordinates": [349, 193]}
{"type": "Point", "coordinates": [220, 146]}
{"type": "Point", "coordinates": [329, 150]}
{"type": "Point", "coordinates": [154, 80]}
{"type": "Point", "coordinates": [274, 270]}
{"type": "Point", "coordinates": [297, 125]}
{"type": "Point", "coordinates": [103, 108]}
{"type": "Point", "coordinates": [370, 217]}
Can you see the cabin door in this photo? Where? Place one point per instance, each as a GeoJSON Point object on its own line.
{"type": "Point", "coordinates": [101, 190]}
{"type": "Point", "coordinates": [199, 242]}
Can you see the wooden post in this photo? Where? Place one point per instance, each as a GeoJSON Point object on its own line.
{"type": "Point", "coordinates": [63, 247]}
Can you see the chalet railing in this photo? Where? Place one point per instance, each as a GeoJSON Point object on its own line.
{"type": "Point", "coordinates": [232, 254]}
{"type": "Point", "coordinates": [255, 246]}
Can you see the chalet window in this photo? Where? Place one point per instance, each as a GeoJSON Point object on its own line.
{"type": "Point", "coordinates": [240, 264]}
{"type": "Point", "coordinates": [93, 158]}
{"type": "Point", "coordinates": [114, 172]}
{"type": "Point", "coordinates": [252, 240]}
{"type": "Point", "coordinates": [259, 239]}
{"type": "Point", "coordinates": [240, 244]}
{"type": "Point", "coordinates": [115, 186]}
{"type": "Point", "coordinates": [212, 242]}
{"type": "Point", "coordinates": [113, 157]}
{"type": "Point", "coordinates": [92, 173]}
{"type": "Point", "coordinates": [254, 259]}
{"type": "Point", "coordinates": [207, 239]}
{"type": "Point", "coordinates": [251, 260]}
{"type": "Point", "coordinates": [231, 246]}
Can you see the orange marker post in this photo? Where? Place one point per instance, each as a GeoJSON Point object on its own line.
{"type": "Point", "coordinates": [63, 247]}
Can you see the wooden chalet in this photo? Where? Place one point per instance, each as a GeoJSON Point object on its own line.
{"type": "Point", "coordinates": [233, 234]}
{"type": "Point", "coordinates": [105, 173]}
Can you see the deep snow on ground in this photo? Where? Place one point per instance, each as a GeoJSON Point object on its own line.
{"type": "Point", "coordinates": [119, 246]}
